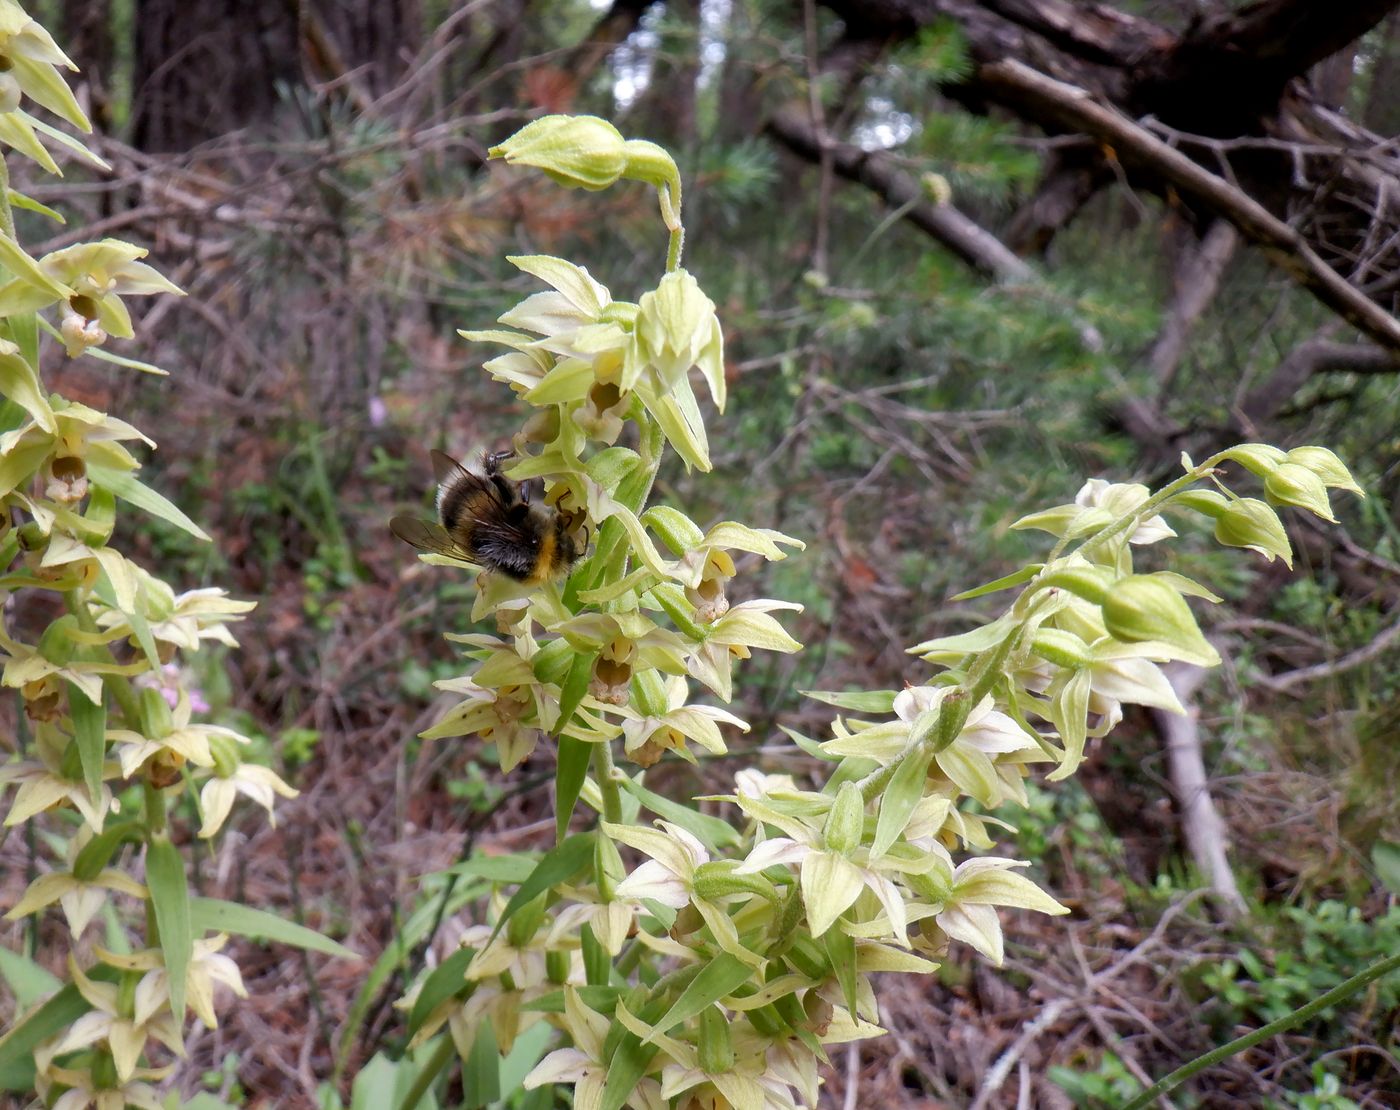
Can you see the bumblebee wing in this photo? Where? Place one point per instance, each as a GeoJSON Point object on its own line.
{"type": "Point", "coordinates": [426, 536]}
{"type": "Point", "coordinates": [446, 468]}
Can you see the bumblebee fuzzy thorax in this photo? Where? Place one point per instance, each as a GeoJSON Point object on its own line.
{"type": "Point", "coordinates": [489, 519]}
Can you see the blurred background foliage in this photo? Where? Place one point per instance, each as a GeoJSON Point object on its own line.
{"type": "Point", "coordinates": [313, 174]}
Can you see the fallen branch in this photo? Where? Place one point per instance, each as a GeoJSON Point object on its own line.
{"type": "Point", "coordinates": [1314, 356]}
{"type": "Point", "coordinates": [962, 235]}
{"type": "Point", "coordinates": [1196, 285]}
{"type": "Point", "coordinates": [1353, 659]}
{"type": "Point", "coordinates": [1201, 824]}
{"type": "Point", "coordinates": [1076, 109]}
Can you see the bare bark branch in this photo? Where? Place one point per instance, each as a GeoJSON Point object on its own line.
{"type": "Point", "coordinates": [1201, 824]}
{"type": "Point", "coordinates": [1196, 285]}
{"type": "Point", "coordinates": [1348, 662]}
{"type": "Point", "coordinates": [1076, 109]}
{"type": "Point", "coordinates": [1314, 356]}
{"type": "Point", "coordinates": [959, 233]}
{"type": "Point", "coordinates": [1071, 177]}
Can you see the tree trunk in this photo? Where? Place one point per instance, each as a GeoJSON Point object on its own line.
{"type": "Point", "coordinates": [666, 111]}
{"type": "Point", "coordinates": [204, 69]}
{"type": "Point", "coordinates": [87, 39]}
{"type": "Point", "coordinates": [377, 38]}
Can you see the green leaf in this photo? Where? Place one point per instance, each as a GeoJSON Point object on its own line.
{"type": "Point", "coordinates": [481, 1074]}
{"type": "Point", "coordinates": [396, 955]}
{"type": "Point", "coordinates": [20, 383]}
{"type": "Point", "coordinates": [842, 951]}
{"type": "Point", "coordinates": [811, 747]}
{"type": "Point", "coordinates": [601, 999]}
{"type": "Point", "coordinates": [96, 853]}
{"type": "Point", "coordinates": [1025, 574]}
{"type": "Point", "coordinates": [1385, 855]}
{"type": "Point", "coordinates": [558, 865]}
{"type": "Point", "coordinates": [383, 1082]}
{"type": "Point", "coordinates": [905, 791]}
{"type": "Point", "coordinates": [570, 772]}
{"type": "Point", "coordinates": [64, 139]}
{"type": "Point", "coordinates": [24, 330]}
{"type": "Point", "coordinates": [512, 868]}
{"type": "Point", "coordinates": [27, 980]}
{"type": "Point", "coordinates": [529, 1048]}
{"type": "Point", "coordinates": [18, 1044]}
{"type": "Point", "coordinates": [710, 831]}
{"type": "Point", "coordinates": [14, 259]}
{"type": "Point", "coordinates": [143, 497]}
{"type": "Point", "coordinates": [29, 204]}
{"type": "Point", "coordinates": [722, 976]}
{"type": "Point", "coordinates": [170, 897]}
{"type": "Point", "coordinates": [445, 981]}
{"type": "Point", "coordinates": [861, 701]}
{"type": "Point", "coordinates": [574, 754]}
{"type": "Point", "coordinates": [213, 915]}
{"type": "Point", "coordinates": [627, 1065]}
{"type": "Point", "coordinates": [90, 734]}
{"type": "Point", "coordinates": [597, 964]}
{"type": "Point", "coordinates": [141, 628]}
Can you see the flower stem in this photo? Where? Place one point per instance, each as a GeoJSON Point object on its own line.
{"type": "Point", "coordinates": [7, 216]}
{"type": "Point", "coordinates": [432, 1068]}
{"type": "Point", "coordinates": [116, 684]}
{"type": "Point", "coordinates": [673, 250]}
{"type": "Point", "coordinates": [1239, 1044]}
{"type": "Point", "coordinates": [606, 771]}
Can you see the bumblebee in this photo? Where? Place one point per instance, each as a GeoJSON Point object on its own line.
{"type": "Point", "coordinates": [491, 520]}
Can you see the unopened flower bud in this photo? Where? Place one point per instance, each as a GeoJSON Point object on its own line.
{"type": "Point", "coordinates": [1292, 484]}
{"type": "Point", "coordinates": [1259, 459]}
{"type": "Point", "coordinates": [224, 749]}
{"type": "Point", "coordinates": [582, 152]}
{"type": "Point", "coordinates": [1140, 607]}
{"type": "Point", "coordinates": [716, 1047]}
{"type": "Point", "coordinates": [608, 868]}
{"type": "Point", "coordinates": [1326, 466]}
{"type": "Point", "coordinates": [525, 922]}
{"type": "Point", "coordinates": [1250, 523]}
{"type": "Point", "coordinates": [846, 821]}
{"type": "Point", "coordinates": [1064, 649]}
{"type": "Point", "coordinates": [717, 879]}
{"type": "Point", "coordinates": [1089, 582]}
{"type": "Point", "coordinates": [156, 720]}
{"type": "Point", "coordinates": [556, 965]}
{"type": "Point", "coordinates": [57, 644]}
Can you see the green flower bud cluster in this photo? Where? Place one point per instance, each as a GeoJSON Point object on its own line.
{"type": "Point", "coordinates": [111, 733]}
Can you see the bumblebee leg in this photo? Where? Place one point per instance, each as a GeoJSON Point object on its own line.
{"type": "Point", "coordinates": [491, 463]}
